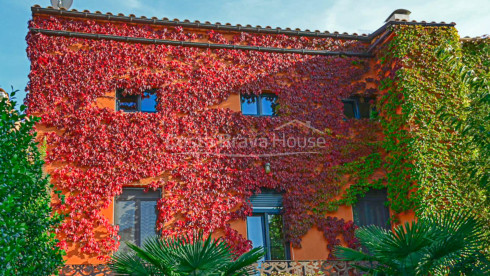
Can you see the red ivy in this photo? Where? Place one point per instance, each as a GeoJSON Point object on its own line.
{"type": "Point", "coordinates": [97, 151]}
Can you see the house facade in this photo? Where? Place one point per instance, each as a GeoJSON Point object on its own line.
{"type": "Point", "coordinates": [265, 137]}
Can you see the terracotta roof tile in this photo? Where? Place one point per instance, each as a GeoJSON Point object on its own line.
{"type": "Point", "coordinates": [288, 31]}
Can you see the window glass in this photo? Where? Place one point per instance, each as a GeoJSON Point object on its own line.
{"type": "Point", "coordinates": [127, 103]}
{"type": "Point", "coordinates": [136, 214]}
{"type": "Point", "coordinates": [249, 105]}
{"type": "Point", "coordinates": [148, 220]}
{"type": "Point", "coordinates": [276, 236]}
{"type": "Point", "coordinates": [349, 108]}
{"type": "Point", "coordinates": [255, 231]}
{"type": "Point", "coordinates": [149, 101]}
{"type": "Point", "coordinates": [126, 219]}
{"type": "Point", "coordinates": [365, 108]}
{"type": "Point", "coordinates": [268, 103]}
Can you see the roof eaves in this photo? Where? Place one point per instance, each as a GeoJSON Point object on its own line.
{"type": "Point", "coordinates": [196, 24]}
{"type": "Point", "coordinates": [228, 27]}
{"type": "Point", "coordinates": [478, 38]}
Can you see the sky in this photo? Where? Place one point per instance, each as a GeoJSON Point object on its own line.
{"type": "Point", "coordinates": [352, 16]}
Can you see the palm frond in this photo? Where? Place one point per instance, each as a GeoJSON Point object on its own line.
{"type": "Point", "coordinates": [459, 243]}
{"type": "Point", "coordinates": [156, 254]}
{"type": "Point", "coordinates": [130, 264]}
{"type": "Point", "coordinates": [371, 237]}
{"type": "Point", "coordinates": [201, 255]}
{"type": "Point", "coordinates": [349, 254]}
{"type": "Point", "coordinates": [242, 265]}
{"type": "Point", "coordinates": [434, 245]}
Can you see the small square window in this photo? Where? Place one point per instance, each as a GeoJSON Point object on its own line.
{"type": "Point", "coordinates": [262, 105]}
{"type": "Point", "coordinates": [358, 108]}
{"type": "Point", "coordinates": [137, 103]}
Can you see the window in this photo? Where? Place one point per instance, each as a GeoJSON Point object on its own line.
{"type": "Point", "coordinates": [350, 108]}
{"type": "Point", "coordinates": [265, 227]}
{"type": "Point", "coordinates": [136, 214]}
{"type": "Point", "coordinates": [358, 108]}
{"type": "Point", "coordinates": [137, 103]}
{"type": "Point", "coordinates": [371, 209]}
{"type": "Point", "coordinates": [262, 105]}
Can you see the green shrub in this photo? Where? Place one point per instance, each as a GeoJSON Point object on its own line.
{"type": "Point", "coordinates": [27, 242]}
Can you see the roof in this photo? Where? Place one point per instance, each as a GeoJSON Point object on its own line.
{"type": "Point", "coordinates": [36, 9]}
{"type": "Point", "coordinates": [372, 40]}
{"type": "Point", "coordinates": [485, 37]}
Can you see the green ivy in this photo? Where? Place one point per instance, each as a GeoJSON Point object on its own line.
{"type": "Point", "coordinates": [424, 156]}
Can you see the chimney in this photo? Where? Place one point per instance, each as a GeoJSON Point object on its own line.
{"type": "Point", "coordinates": [3, 94]}
{"type": "Point", "coordinates": [399, 15]}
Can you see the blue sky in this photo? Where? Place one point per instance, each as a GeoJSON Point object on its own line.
{"type": "Point", "coordinates": [360, 16]}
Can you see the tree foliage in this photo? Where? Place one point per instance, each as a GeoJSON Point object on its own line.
{"type": "Point", "coordinates": [27, 242]}
{"type": "Point", "coordinates": [473, 123]}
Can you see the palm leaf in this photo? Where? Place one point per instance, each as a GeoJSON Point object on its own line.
{"type": "Point", "coordinates": [156, 254]}
{"type": "Point", "coordinates": [458, 245]}
{"type": "Point", "coordinates": [435, 245]}
{"type": "Point", "coordinates": [130, 264]}
{"type": "Point", "coordinates": [198, 256]}
{"type": "Point", "coordinates": [243, 264]}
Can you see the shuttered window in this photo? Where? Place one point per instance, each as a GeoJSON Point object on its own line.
{"type": "Point", "coordinates": [269, 201]}
{"type": "Point", "coordinates": [266, 227]}
{"type": "Point", "coordinates": [372, 210]}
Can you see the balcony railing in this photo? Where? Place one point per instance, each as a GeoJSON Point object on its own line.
{"type": "Point", "coordinates": [305, 268]}
{"type": "Point", "coordinates": [86, 270]}
{"type": "Point", "coordinates": [325, 267]}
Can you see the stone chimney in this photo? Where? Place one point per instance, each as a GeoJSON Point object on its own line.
{"type": "Point", "coordinates": [399, 15]}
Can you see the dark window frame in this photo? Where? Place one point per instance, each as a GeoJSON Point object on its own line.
{"type": "Point", "coordinates": [264, 212]}
{"type": "Point", "coordinates": [373, 196]}
{"type": "Point", "coordinates": [356, 102]}
{"type": "Point", "coordinates": [119, 94]}
{"type": "Point", "coordinates": [258, 103]}
{"type": "Point", "coordinates": [265, 228]}
{"type": "Point", "coordinates": [137, 195]}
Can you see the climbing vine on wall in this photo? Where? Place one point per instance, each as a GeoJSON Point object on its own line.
{"type": "Point", "coordinates": [93, 152]}
{"type": "Point", "coordinates": [429, 158]}
{"type": "Point", "coordinates": [423, 150]}
{"type": "Point", "coordinates": [423, 155]}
